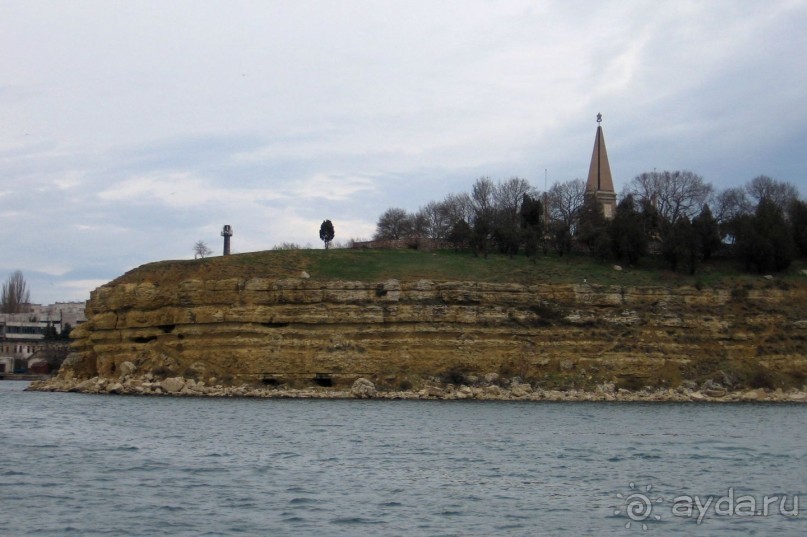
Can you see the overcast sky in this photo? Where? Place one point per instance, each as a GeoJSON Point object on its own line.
{"type": "Point", "coordinates": [130, 130]}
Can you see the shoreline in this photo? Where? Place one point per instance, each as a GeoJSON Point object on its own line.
{"type": "Point", "coordinates": [364, 389]}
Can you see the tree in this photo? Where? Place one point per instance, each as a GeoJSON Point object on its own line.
{"type": "Point", "coordinates": [561, 236]}
{"type": "Point", "coordinates": [565, 201]}
{"type": "Point", "coordinates": [508, 196]}
{"type": "Point", "coordinates": [779, 192]}
{"type": "Point", "coordinates": [730, 205]}
{"type": "Point", "coordinates": [460, 235]}
{"type": "Point", "coordinates": [66, 329]}
{"type": "Point", "coordinates": [507, 199]}
{"type": "Point", "coordinates": [481, 234]}
{"type": "Point", "coordinates": [708, 233]}
{"type": "Point", "coordinates": [628, 236]}
{"type": "Point", "coordinates": [49, 333]}
{"type": "Point", "coordinates": [287, 246]}
{"type": "Point", "coordinates": [326, 233]}
{"type": "Point", "coordinates": [15, 296]}
{"type": "Point", "coordinates": [531, 225]}
{"type": "Point", "coordinates": [458, 207]}
{"type": "Point", "coordinates": [434, 220]}
{"type": "Point", "coordinates": [764, 240]}
{"type": "Point", "coordinates": [798, 223]}
{"type": "Point", "coordinates": [394, 224]}
{"type": "Point", "coordinates": [482, 196]}
{"type": "Point", "coordinates": [681, 244]}
{"type": "Point", "coordinates": [200, 250]}
{"type": "Point", "coordinates": [675, 194]}
{"type": "Point", "coordinates": [592, 228]}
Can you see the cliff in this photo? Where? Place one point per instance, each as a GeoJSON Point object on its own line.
{"type": "Point", "coordinates": [410, 335]}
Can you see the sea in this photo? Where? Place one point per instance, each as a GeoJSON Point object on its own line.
{"type": "Point", "coordinates": [74, 464]}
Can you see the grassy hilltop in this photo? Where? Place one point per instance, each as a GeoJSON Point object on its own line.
{"type": "Point", "coordinates": [377, 265]}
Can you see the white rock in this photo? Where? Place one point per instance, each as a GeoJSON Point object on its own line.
{"type": "Point", "coordinates": [493, 390]}
{"type": "Point", "coordinates": [491, 377]}
{"type": "Point", "coordinates": [617, 268]}
{"type": "Point", "coordinates": [434, 391]}
{"type": "Point", "coordinates": [126, 368]}
{"type": "Point", "coordinates": [172, 384]}
{"type": "Point", "coordinates": [304, 275]}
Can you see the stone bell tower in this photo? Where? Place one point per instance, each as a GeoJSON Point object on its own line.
{"type": "Point", "coordinates": [227, 232]}
{"type": "Point", "coordinates": [600, 184]}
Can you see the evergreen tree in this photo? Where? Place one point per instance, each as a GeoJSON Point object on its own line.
{"type": "Point", "coordinates": [765, 240]}
{"type": "Point", "coordinates": [481, 233]}
{"type": "Point", "coordinates": [628, 237]}
{"type": "Point", "coordinates": [798, 224]}
{"type": "Point", "coordinates": [531, 228]}
{"type": "Point", "coordinates": [592, 228]}
{"type": "Point", "coordinates": [561, 237]}
{"type": "Point", "coordinates": [460, 235]}
{"type": "Point", "coordinates": [681, 244]}
{"type": "Point", "coordinates": [708, 232]}
{"type": "Point", "coordinates": [326, 233]}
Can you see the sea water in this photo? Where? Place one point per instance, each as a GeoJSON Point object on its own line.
{"type": "Point", "coordinates": [73, 464]}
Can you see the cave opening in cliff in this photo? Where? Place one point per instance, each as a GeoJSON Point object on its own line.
{"type": "Point", "coordinates": [323, 380]}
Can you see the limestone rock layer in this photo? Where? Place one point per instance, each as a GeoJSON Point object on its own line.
{"type": "Point", "coordinates": [278, 331]}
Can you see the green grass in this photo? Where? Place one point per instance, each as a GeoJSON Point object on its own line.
{"type": "Point", "coordinates": [377, 265]}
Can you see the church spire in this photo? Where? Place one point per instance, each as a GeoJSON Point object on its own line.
{"type": "Point", "coordinates": [600, 183]}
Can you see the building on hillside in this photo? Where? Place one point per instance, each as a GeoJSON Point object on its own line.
{"type": "Point", "coordinates": [36, 335]}
{"type": "Point", "coordinates": [600, 183]}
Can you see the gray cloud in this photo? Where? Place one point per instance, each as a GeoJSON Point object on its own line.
{"type": "Point", "coordinates": [132, 130]}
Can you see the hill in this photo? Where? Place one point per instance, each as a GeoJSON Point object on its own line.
{"type": "Point", "coordinates": [447, 265]}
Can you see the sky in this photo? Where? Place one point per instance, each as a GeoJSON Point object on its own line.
{"type": "Point", "coordinates": [131, 130]}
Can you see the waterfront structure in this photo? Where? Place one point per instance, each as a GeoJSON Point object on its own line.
{"type": "Point", "coordinates": [600, 184]}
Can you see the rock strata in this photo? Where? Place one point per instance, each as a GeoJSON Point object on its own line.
{"type": "Point", "coordinates": [300, 337]}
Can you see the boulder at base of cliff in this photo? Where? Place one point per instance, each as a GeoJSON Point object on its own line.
{"type": "Point", "coordinates": [363, 389]}
{"type": "Point", "coordinates": [172, 384]}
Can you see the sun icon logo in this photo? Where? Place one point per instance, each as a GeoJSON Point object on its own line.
{"type": "Point", "coordinates": [638, 506]}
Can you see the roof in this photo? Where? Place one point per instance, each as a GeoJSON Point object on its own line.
{"type": "Point", "coordinates": [599, 172]}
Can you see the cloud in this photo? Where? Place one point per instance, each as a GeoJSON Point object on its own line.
{"type": "Point", "coordinates": [126, 140]}
{"type": "Point", "coordinates": [182, 190]}
{"type": "Point", "coordinates": [336, 187]}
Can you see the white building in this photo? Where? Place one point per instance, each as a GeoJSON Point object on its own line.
{"type": "Point", "coordinates": [23, 334]}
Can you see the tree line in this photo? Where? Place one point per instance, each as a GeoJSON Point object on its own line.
{"type": "Point", "coordinates": [675, 214]}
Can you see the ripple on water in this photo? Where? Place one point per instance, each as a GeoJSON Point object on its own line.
{"type": "Point", "coordinates": [149, 466]}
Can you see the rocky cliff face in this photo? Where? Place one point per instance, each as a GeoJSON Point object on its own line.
{"type": "Point", "coordinates": [399, 334]}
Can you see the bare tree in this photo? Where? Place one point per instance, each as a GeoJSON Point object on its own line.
{"type": "Point", "coordinates": [433, 219]}
{"type": "Point", "coordinates": [200, 250]}
{"type": "Point", "coordinates": [15, 296]}
{"type": "Point", "coordinates": [779, 192]}
{"type": "Point", "coordinates": [287, 246]}
{"type": "Point", "coordinates": [482, 198]}
{"type": "Point", "coordinates": [674, 194]}
{"type": "Point", "coordinates": [732, 203]}
{"type": "Point", "coordinates": [394, 224]}
{"type": "Point", "coordinates": [459, 207]}
{"type": "Point", "coordinates": [566, 200]}
{"type": "Point", "coordinates": [508, 196]}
